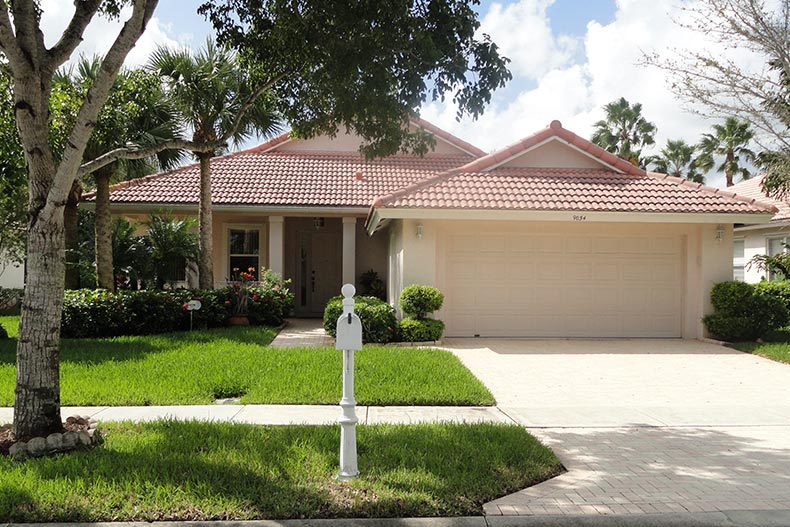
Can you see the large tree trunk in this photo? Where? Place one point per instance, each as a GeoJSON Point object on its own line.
{"type": "Point", "coordinates": [37, 395]}
{"type": "Point", "coordinates": [105, 275]}
{"type": "Point", "coordinates": [71, 228]}
{"type": "Point", "coordinates": [206, 264]}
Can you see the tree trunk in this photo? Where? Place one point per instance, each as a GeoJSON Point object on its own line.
{"type": "Point", "coordinates": [37, 395]}
{"type": "Point", "coordinates": [728, 170]}
{"type": "Point", "coordinates": [105, 275]}
{"type": "Point", "coordinates": [206, 264]}
{"type": "Point", "coordinates": [71, 228]}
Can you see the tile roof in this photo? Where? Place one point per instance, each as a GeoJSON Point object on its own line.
{"type": "Point", "coordinates": [624, 188]}
{"type": "Point", "coordinates": [287, 178]}
{"type": "Point", "coordinates": [566, 189]}
{"type": "Point", "coordinates": [753, 188]}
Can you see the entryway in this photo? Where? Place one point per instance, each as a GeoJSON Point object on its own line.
{"type": "Point", "coordinates": [317, 266]}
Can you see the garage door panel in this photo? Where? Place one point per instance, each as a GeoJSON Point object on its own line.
{"type": "Point", "coordinates": [514, 284]}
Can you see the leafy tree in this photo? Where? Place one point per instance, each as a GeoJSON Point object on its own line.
{"type": "Point", "coordinates": [677, 159]}
{"type": "Point", "coordinates": [137, 112]}
{"type": "Point", "coordinates": [209, 88]}
{"type": "Point", "coordinates": [731, 141]}
{"type": "Point", "coordinates": [365, 65]}
{"type": "Point", "coordinates": [624, 132]}
{"type": "Point", "coordinates": [169, 242]}
{"type": "Point", "coordinates": [757, 92]}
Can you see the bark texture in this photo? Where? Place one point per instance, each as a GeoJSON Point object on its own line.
{"type": "Point", "coordinates": [104, 266]}
{"type": "Point", "coordinates": [71, 232]}
{"type": "Point", "coordinates": [206, 263]}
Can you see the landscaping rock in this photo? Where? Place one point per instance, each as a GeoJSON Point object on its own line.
{"type": "Point", "coordinates": [18, 451]}
{"type": "Point", "coordinates": [70, 440]}
{"type": "Point", "coordinates": [83, 438]}
{"type": "Point", "coordinates": [55, 442]}
{"type": "Point", "coordinates": [37, 446]}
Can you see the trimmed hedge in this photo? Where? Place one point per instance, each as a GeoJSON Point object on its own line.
{"type": "Point", "coordinates": [91, 313]}
{"type": "Point", "coordinates": [420, 300]}
{"type": "Point", "coordinates": [745, 311]}
{"type": "Point", "coordinates": [377, 317]}
{"type": "Point", "coordinates": [420, 330]}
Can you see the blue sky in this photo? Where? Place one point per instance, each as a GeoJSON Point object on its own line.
{"type": "Point", "coordinates": [569, 58]}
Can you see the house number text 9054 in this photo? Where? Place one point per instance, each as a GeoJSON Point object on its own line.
{"type": "Point", "coordinates": [579, 217]}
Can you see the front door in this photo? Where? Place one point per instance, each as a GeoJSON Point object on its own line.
{"type": "Point", "coordinates": [319, 271]}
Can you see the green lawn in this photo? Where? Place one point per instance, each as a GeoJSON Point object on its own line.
{"type": "Point", "coordinates": [171, 470]}
{"type": "Point", "coordinates": [197, 367]}
{"type": "Point", "coordinates": [776, 346]}
{"type": "Point", "coordinates": [11, 324]}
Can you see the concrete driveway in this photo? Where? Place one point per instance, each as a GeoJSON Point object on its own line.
{"type": "Point", "coordinates": [643, 426]}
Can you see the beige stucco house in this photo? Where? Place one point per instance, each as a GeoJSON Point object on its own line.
{"type": "Point", "coordinates": [751, 240]}
{"type": "Point", "coordinates": [549, 237]}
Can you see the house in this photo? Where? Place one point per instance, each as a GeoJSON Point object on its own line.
{"type": "Point", "coordinates": [751, 240]}
{"type": "Point", "coordinates": [549, 237]}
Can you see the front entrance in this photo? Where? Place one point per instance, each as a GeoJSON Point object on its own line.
{"type": "Point", "coordinates": [318, 270]}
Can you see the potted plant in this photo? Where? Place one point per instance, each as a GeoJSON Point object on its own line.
{"type": "Point", "coordinates": [239, 296]}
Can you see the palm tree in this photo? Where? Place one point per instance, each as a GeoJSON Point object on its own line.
{"type": "Point", "coordinates": [138, 113]}
{"type": "Point", "coordinates": [211, 89]}
{"type": "Point", "coordinates": [171, 244]}
{"type": "Point", "coordinates": [624, 132]}
{"type": "Point", "coordinates": [731, 141]}
{"type": "Point", "coordinates": [677, 159]}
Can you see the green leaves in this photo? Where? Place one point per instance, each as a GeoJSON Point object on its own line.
{"type": "Point", "coordinates": [366, 65]}
{"type": "Point", "coordinates": [625, 132]}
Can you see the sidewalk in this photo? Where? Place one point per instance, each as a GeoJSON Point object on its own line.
{"type": "Point", "coordinates": [285, 414]}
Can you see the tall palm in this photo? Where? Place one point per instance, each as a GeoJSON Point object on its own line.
{"type": "Point", "coordinates": [210, 88]}
{"type": "Point", "coordinates": [169, 240]}
{"type": "Point", "coordinates": [677, 159]}
{"type": "Point", "coordinates": [731, 141]}
{"type": "Point", "coordinates": [624, 132]}
{"type": "Point", "coordinates": [136, 113]}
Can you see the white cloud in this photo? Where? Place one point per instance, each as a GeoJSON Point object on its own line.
{"type": "Point", "coordinates": [607, 70]}
{"type": "Point", "coordinates": [101, 32]}
{"type": "Point", "coordinates": [523, 33]}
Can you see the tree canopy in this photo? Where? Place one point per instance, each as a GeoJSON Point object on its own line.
{"type": "Point", "coordinates": [624, 131]}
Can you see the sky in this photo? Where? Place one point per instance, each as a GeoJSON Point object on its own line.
{"type": "Point", "coordinates": [568, 59]}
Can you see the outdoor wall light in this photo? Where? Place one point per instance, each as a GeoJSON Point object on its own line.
{"type": "Point", "coordinates": [318, 223]}
{"type": "Point", "coordinates": [719, 233]}
{"type": "Point", "coordinates": [419, 231]}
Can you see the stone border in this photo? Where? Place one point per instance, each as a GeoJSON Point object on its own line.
{"type": "Point", "coordinates": [58, 442]}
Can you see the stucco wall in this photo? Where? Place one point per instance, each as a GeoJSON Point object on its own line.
{"type": "Point", "coordinates": [706, 259]}
{"type": "Point", "coordinates": [756, 243]}
{"type": "Point", "coordinates": [554, 155]}
{"type": "Point", "coordinates": [12, 275]}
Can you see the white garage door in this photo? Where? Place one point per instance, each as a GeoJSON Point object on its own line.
{"type": "Point", "coordinates": [512, 284]}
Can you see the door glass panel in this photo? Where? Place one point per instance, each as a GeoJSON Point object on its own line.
{"type": "Point", "coordinates": [303, 271]}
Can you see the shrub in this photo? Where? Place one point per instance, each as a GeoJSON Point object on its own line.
{"type": "Point", "coordinates": [420, 330]}
{"type": "Point", "coordinates": [420, 300]}
{"type": "Point", "coordinates": [3, 333]}
{"type": "Point", "coordinates": [270, 301]}
{"type": "Point", "coordinates": [745, 312]}
{"type": "Point", "coordinates": [371, 285]}
{"type": "Point", "coordinates": [780, 290]}
{"type": "Point", "coordinates": [92, 313]}
{"type": "Point", "coordinates": [213, 312]}
{"type": "Point", "coordinates": [377, 317]}
{"type": "Point", "coordinates": [150, 312]}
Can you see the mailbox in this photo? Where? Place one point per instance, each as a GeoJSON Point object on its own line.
{"type": "Point", "coordinates": [348, 339]}
{"type": "Point", "coordinates": [349, 332]}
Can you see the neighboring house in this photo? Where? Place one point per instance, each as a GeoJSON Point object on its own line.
{"type": "Point", "coordinates": [549, 237]}
{"type": "Point", "coordinates": [762, 238]}
{"type": "Point", "coordinates": [12, 275]}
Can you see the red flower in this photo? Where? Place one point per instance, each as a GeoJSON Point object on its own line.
{"type": "Point", "coordinates": [227, 302]}
{"type": "Point", "coordinates": [255, 297]}
{"type": "Point", "coordinates": [184, 306]}
{"type": "Point", "coordinates": [197, 298]}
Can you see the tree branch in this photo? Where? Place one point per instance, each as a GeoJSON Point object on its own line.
{"type": "Point", "coordinates": [8, 43]}
{"type": "Point", "coordinates": [28, 33]}
{"type": "Point", "coordinates": [142, 153]}
{"type": "Point", "coordinates": [72, 36]}
{"type": "Point", "coordinates": [94, 100]}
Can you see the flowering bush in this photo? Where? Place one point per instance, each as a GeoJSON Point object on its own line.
{"type": "Point", "coordinates": [238, 292]}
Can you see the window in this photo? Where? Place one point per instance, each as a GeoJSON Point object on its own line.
{"type": "Point", "coordinates": [776, 246]}
{"type": "Point", "coordinates": [243, 248]}
{"type": "Point", "coordinates": [737, 260]}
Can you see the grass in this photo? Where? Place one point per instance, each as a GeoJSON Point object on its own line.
{"type": "Point", "coordinates": [775, 346]}
{"type": "Point", "coordinates": [170, 470]}
{"type": "Point", "coordinates": [11, 324]}
{"type": "Point", "coordinates": [198, 367]}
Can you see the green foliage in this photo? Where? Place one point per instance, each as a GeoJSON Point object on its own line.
{"type": "Point", "coordinates": [420, 330]}
{"type": "Point", "coordinates": [10, 298]}
{"type": "Point", "coordinates": [778, 289]}
{"type": "Point", "coordinates": [3, 332]}
{"type": "Point", "coordinates": [744, 312]}
{"type": "Point", "coordinates": [270, 300]}
{"type": "Point", "coordinates": [731, 142]}
{"type": "Point", "coordinates": [169, 240]}
{"type": "Point", "coordinates": [420, 300]}
{"type": "Point", "coordinates": [677, 159]}
{"type": "Point", "coordinates": [366, 66]}
{"type": "Point", "coordinates": [377, 317]}
{"type": "Point", "coordinates": [777, 264]}
{"type": "Point", "coordinates": [371, 285]}
{"type": "Point", "coordinates": [624, 132]}
{"type": "Point", "coordinates": [13, 177]}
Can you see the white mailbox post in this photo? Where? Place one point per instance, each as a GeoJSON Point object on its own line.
{"type": "Point", "coordinates": [349, 338]}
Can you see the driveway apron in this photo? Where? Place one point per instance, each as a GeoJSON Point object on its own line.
{"type": "Point", "coordinates": [643, 426]}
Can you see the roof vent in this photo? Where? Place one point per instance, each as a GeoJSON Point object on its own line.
{"type": "Point", "coordinates": [358, 175]}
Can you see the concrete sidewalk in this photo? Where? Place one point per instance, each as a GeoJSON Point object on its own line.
{"type": "Point", "coordinates": [285, 414]}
